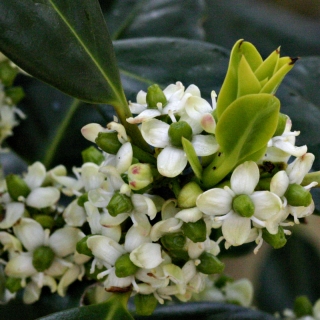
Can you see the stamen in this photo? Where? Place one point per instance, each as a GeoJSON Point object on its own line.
{"type": "Point", "coordinates": [259, 241]}
{"type": "Point", "coordinates": [104, 273]}
{"type": "Point", "coordinates": [312, 184]}
{"type": "Point", "coordinates": [161, 301]}
{"type": "Point", "coordinates": [159, 106]}
{"type": "Point", "coordinates": [172, 116]}
{"type": "Point", "coordinates": [258, 221]}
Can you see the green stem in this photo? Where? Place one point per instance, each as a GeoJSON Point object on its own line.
{"type": "Point", "coordinates": [47, 161]}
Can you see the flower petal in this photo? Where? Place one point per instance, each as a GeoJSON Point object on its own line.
{"type": "Point", "coordinates": [155, 132]}
{"type": "Point", "coordinates": [236, 229]}
{"type": "Point", "coordinates": [279, 183]}
{"type": "Point", "coordinates": [244, 178]}
{"type": "Point", "coordinates": [147, 255]}
{"type": "Point", "coordinates": [171, 161]}
{"type": "Point", "coordinates": [43, 197]}
{"type": "Point", "coordinates": [36, 175]}
{"type": "Point", "coordinates": [14, 212]}
{"type": "Point", "coordinates": [215, 202]}
{"type": "Point", "coordinates": [204, 145]}
{"type": "Point", "coordinates": [266, 204]}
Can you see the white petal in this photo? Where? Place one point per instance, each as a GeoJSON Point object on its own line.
{"type": "Point", "coordinates": [189, 215]}
{"type": "Point", "coordinates": [299, 168]}
{"type": "Point", "coordinates": [147, 255]}
{"type": "Point", "coordinates": [91, 176]}
{"type": "Point", "coordinates": [36, 175]}
{"type": "Point", "coordinates": [105, 248]}
{"type": "Point", "coordinates": [91, 131]}
{"type": "Point", "coordinates": [74, 215]}
{"type": "Point", "coordinates": [266, 204]}
{"type": "Point", "coordinates": [14, 211]}
{"type": "Point", "coordinates": [30, 233]}
{"type": "Point", "coordinates": [279, 183]}
{"type": "Point", "coordinates": [144, 205]}
{"type": "Point", "coordinates": [31, 293]}
{"type": "Point", "coordinates": [288, 147]}
{"type": "Point", "coordinates": [236, 229]}
{"type": "Point", "coordinates": [43, 197]}
{"type": "Point", "coordinates": [99, 198]}
{"type": "Point", "coordinates": [204, 145]}
{"type": "Point", "coordinates": [171, 161]}
{"type": "Point", "coordinates": [215, 202]}
{"type": "Point", "coordinates": [109, 221]}
{"type": "Point", "coordinates": [124, 157]}
{"type": "Point", "coordinates": [134, 238]}
{"type": "Point", "coordinates": [144, 116]}
{"type": "Point", "coordinates": [20, 266]}
{"type": "Point", "coordinates": [69, 277]}
{"type": "Point", "coordinates": [63, 241]}
{"type": "Point", "coordinates": [240, 291]}
{"type": "Point", "coordinates": [163, 227]}
{"type": "Point", "coordinates": [113, 177]}
{"type": "Point", "coordinates": [155, 132]}
{"type": "Point", "coordinates": [245, 178]}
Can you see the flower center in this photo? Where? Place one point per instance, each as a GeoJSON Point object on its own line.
{"type": "Point", "coordinates": [243, 205]}
{"type": "Point", "coordinates": [178, 130]}
{"type": "Point", "coordinates": [42, 258]}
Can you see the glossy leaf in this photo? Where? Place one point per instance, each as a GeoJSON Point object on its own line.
{"type": "Point", "coordinates": [65, 44]}
{"type": "Point", "coordinates": [156, 18]}
{"type": "Point", "coordinates": [241, 140]}
{"type": "Point", "coordinates": [114, 308]}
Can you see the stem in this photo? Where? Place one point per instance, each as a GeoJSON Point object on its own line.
{"type": "Point", "coordinates": [47, 161]}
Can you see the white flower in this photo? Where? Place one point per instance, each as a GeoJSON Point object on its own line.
{"type": "Point", "coordinates": [147, 255]}
{"type": "Point", "coordinates": [220, 202]}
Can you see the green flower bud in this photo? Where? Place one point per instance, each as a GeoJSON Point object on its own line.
{"type": "Point", "coordinates": [173, 241]}
{"type": "Point", "coordinates": [195, 231]}
{"type": "Point", "coordinates": [82, 199]}
{"type": "Point", "coordinates": [108, 142]}
{"type": "Point", "coordinates": [125, 267]}
{"type": "Point", "coordinates": [13, 284]}
{"type": "Point", "coordinates": [243, 205]}
{"type": "Point", "coordinates": [178, 255]}
{"type": "Point", "coordinates": [188, 195]}
{"type": "Point", "coordinates": [91, 154]}
{"type": "Point", "coordinates": [47, 222]}
{"type": "Point", "coordinates": [154, 96]}
{"type": "Point", "coordinates": [16, 187]}
{"type": "Point", "coordinates": [7, 73]}
{"type": "Point", "coordinates": [282, 121]}
{"type": "Point", "coordinates": [209, 264]}
{"type": "Point", "coordinates": [82, 246]}
{"type": "Point", "coordinates": [298, 196]}
{"type": "Point", "coordinates": [178, 130]}
{"type": "Point", "coordinates": [15, 94]}
{"type": "Point", "coordinates": [139, 176]}
{"type": "Point", "coordinates": [145, 304]}
{"type": "Point", "coordinates": [42, 258]}
{"type": "Point", "coordinates": [302, 307]}
{"type": "Point", "coordinates": [119, 203]}
{"type": "Point", "coordinates": [277, 241]}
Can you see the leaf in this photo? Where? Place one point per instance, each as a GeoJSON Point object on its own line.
{"type": "Point", "coordinates": [156, 18]}
{"type": "Point", "coordinates": [65, 44]}
{"type": "Point", "coordinates": [114, 308]}
{"type": "Point", "coordinates": [243, 130]}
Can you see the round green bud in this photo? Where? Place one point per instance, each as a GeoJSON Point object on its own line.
{"type": "Point", "coordinates": [243, 205]}
{"type": "Point", "coordinates": [119, 203]}
{"type": "Point", "coordinates": [108, 142]}
{"type": "Point", "coordinates": [16, 187]}
{"type": "Point", "coordinates": [209, 264]}
{"type": "Point", "coordinates": [277, 241]}
{"type": "Point", "coordinates": [125, 267]}
{"type": "Point", "coordinates": [178, 130]}
{"type": "Point", "coordinates": [13, 284]}
{"type": "Point", "coordinates": [82, 246]}
{"type": "Point", "coordinates": [298, 196]}
{"type": "Point", "coordinates": [195, 231]}
{"type": "Point", "coordinates": [82, 199]}
{"type": "Point", "coordinates": [179, 255]}
{"type": "Point", "coordinates": [139, 176]}
{"type": "Point", "coordinates": [282, 121]}
{"type": "Point", "coordinates": [173, 241]}
{"type": "Point", "coordinates": [92, 154]}
{"type": "Point", "coordinates": [47, 222]}
{"type": "Point", "coordinates": [154, 96]}
{"type": "Point", "coordinates": [302, 307]}
{"type": "Point", "coordinates": [188, 195]}
{"type": "Point", "coordinates": [145, 304]}
{"type": "Point", "coordinates": [42, 258]}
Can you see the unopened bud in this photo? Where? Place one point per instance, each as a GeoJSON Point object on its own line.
{"type": "Point", "coordinates": [91, 154]}
{"type": "Point", "coordinates": [47, 222]}
{"type": "Point", "coordinates": [108, 142]}
{"type": "Point", "coordinates": [154, 96]}
{"type": "Point", "coordinates": [13, 284]}
{"type": "Point", "coordinates": [277, 240]}
{"type": "Point", "coordinates": [82, 199]}
{"type": "Point", "coordinates": [119, 203]}
{"type": "Point", "coordinates": [145, 304]}
{"type": "Point", "coordinates": [177, 130]}
{"type": "Point", "coordinates": [195, 231]}
{"type": "Point", "coordinates": [15, 94]}
{"type": "Point", "coordinates": [139, 176]}
{"type": "Point", "coordinates": [298, 196]}
{"type": "Point", "coordinates": [173, 241]}
{"type": "Point", "coordinates": [282, 120]}
{"type": "Point", "coordinates": [188, 195]}
{"type": "Point", "coordinates": [42, 258]}
{"type": "Point", "coordinates": [209, 264]}
{"type": "Point", "coordinates": [302, 307]}
{"type": "Point", "coordinates": [16, 187]}
{"type": "Point", "coordinates": [243, 205]}
{"type": "Point", "coordinates": [125, 267]}
{"type": "Point", "coordinates": [82, 246]}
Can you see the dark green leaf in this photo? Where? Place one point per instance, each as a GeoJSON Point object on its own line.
{"type": "Point", "coordinates": [64, 43]}
{"type": "Point", "coordinates": [157, 18]}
